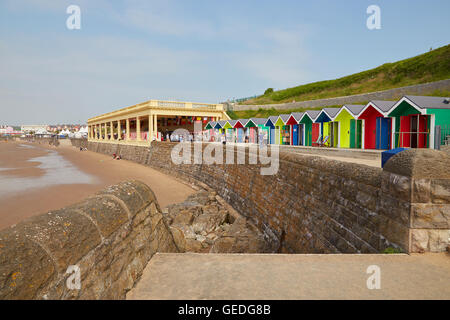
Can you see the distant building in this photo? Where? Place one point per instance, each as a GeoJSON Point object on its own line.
{"type": "Point", "coordinates": [33, 128]}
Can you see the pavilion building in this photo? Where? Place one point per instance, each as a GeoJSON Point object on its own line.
{"type": "Point", "coordinates": [152, 120]}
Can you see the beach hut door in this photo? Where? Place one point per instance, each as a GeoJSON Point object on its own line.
{"type": "Point", "coordinates": [383, 133]}
{"type": "Point", "coordinates": [418, 131]}
{"type": "Point", "coordinates": [355, 133]}
{"type": "Point", "coordinates": [295, 133]}
{"type": "Point", "coordinates": [300, 134]}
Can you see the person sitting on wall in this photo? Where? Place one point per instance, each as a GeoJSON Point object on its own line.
{"type": "Point", "coordinates": [114, 156]}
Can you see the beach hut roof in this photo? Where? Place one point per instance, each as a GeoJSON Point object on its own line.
{"type": "Point", "coordinates": [429, 102]}
{"type": "Point", "coordinates": [327, 114]}
{"type": "Point", "coordinates": [312, 114]}
{"type": "Point", "coordinates": [353, 109]}
{"type": "Point", "coordinates": [383, 106]}
{"type": "Point", "coordinates": [221, 123]}
{"type": "Point", "coordinates": [297, 116]}
{"type": "Point", "coordinates": [380, 105]}
{"type": "Point", "coordinates": [243, 121]}
{"type": "Point", "coordinates": [258, 121]}
{"type": "Point", "coordinates": [285, 117]}
{"type": "Point", "coordinates": [272, 120]}
{"type": "Point", "coordinates": [421, 103]}
{"type": "Point", "coordinates": [232, 122]}
{"type": "Point", "coordinates": [210, 125]}
{"type": "Point", "coordinates": [331, 112]}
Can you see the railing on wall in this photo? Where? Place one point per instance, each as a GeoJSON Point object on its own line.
{"type": "Point", "coordinates": [171, 104]}
{"type": "Point", "coordinates": [406, 139]}
{"type": "Point", "coordinates": [442, 136]}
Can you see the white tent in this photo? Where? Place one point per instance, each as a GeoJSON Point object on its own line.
{"type": "Point", "coordinates": [64, 132]}
{"type": "Point", "coordinates": [42, 132]}
{"type": "Point", "coordinates": [83, 130]}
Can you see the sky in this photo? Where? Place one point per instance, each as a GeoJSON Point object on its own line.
{"type": "Point", "coordinates": [130, 51]}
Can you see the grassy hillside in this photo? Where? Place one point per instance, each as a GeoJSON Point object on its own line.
{"type": "Point", "coordinates": [265, 113]}
{"type": "Point", "coordinates": [427, 67]}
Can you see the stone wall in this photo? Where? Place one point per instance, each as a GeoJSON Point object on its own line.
{"type": "Point", "coordinates": [391, 94]}
{"type": "Point", "coordinates": [317, 205]}
{"type": "Point", "coordinates": [79, 143]}
{"type": "Point", "coordinates": [110, 237]}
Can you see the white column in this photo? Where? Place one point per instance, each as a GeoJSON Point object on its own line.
{"type": "Point", "coordinates": [150, 127]}
{"type": "Point", "coordinates": [128, 130]}
{"type": "Point", "coordinates": [155, 126]}
{"type": "Point", "coordinates": [432, 128]}
{"type": "Point", "coordinates": [138, 129]}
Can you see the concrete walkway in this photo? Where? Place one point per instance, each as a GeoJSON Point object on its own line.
{"type": "Point", "coordinates": [257, 276]}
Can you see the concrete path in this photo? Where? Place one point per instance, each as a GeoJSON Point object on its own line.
{"type": "Point", "coordinates": [257, 276]}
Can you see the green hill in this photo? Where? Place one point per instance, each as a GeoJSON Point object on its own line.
{"type": "Point", "coordinates": [427, 67]}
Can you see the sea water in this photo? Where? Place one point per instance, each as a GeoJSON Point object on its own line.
{"type": "Point", "coordinates": [57, 171]}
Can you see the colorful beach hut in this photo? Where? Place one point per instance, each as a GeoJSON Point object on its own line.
{"type": "Point", "coordinates": [239, 133]}
{"type": "Point", "coordinates": [219, 130]}
{"type": "Point", "coordinates": [350, 129]}
{"type": "Point", "coordinates": [329, 130]}
{"type": "Point", "coordinates": [230, 132]}
{"type": "Point", "coordinates": [240, 130]}
{"type": "Point", "coordinates": [211, 131]}
{"type": "Point", "coordinates": [415, 118]}
{"type": "Point", "coordinates": [253, 125]}
{"type": "Point", "coordinates": [307, 120]}
{"type": "Point", "coordinates": [296, 128]}
{"type": "Point", "coordinates": [377, 126]}
{"type": "Point", "coordinates": [262, 130]}
{"type": "Point", "coordinates": [284, 129]}
{"type": "Point", "coordinates": [270, 124]}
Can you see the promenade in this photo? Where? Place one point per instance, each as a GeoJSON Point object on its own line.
{"type": "Point", "coordinates": [291, 277]}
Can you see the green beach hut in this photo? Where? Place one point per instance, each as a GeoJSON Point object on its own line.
{"type": "Point", "coordinates": [415, 119]}
{"type": "Point", "coordinates": [307, 119]}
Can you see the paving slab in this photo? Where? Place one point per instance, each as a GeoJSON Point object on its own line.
{"type": "Point", "coordinates": [289, 277]}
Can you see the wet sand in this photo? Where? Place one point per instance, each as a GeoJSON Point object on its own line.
{"type": "Point", "coordinates": [104, 170]}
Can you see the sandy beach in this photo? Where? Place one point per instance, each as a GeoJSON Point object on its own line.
{"type": "Point", "coordinates": [100, 170]}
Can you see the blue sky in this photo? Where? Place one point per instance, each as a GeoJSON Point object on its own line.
{"type": "Point", "coordinates": [129, 51]}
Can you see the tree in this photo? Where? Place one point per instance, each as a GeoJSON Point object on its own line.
{"type": "Point", "coordinates": [268, 91]}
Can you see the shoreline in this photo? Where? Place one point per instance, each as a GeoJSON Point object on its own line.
{"type": "Point", "coordinates": [103, 168]}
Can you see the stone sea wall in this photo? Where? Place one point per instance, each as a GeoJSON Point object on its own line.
{"type": "Point", "coordinates": [110, 237]}
{"type": "Point", "coordinates": [317, 205]}
{"type": "Point", "coordinates": [79, 143]}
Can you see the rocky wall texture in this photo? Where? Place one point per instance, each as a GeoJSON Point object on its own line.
{"type": "Point", "coordinates": [205, 223]}
{"type": "Point", "coordinates": [317, 205]}
{"type": "Point", "coordinates": [110, 237]}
